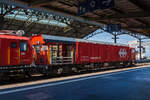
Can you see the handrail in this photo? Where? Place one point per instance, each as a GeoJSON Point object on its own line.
{"type": "Point", "coordinates": [62, 60]}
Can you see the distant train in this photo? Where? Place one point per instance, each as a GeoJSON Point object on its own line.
{"type": "Point", "coordinates": [52, 54]}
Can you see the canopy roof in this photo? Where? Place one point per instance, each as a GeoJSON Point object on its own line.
{"type": "Point", "coordinates": [133, 15]}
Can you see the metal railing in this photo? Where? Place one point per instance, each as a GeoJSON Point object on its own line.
{"type": "Point", "coordinates": [62, 60]}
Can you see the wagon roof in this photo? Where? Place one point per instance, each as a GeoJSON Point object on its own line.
{"type": "Point", "coordinates": [13, 37]}
{"type": "Point", "coordinates": [50, 38]}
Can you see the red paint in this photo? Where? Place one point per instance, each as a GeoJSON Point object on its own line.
{"type": "Point", "coordinates": [97, 52]}
{"type": "Point", "coordinates": [88, 52]}
{"type": "Point", "coordinates": [12, 43]}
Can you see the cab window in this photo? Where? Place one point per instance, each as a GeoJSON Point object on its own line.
{"type": "Point", "coordinates": [23, 46]}
{"type": "Point", "coordinates": [13, 45]}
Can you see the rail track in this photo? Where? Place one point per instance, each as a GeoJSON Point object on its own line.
{"type": "Point", "coordinates": [11, 80]}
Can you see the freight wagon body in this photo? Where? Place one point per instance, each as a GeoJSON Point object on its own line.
{"type": "Point", "coordinates": [15, 51]}
{"type": "Point", "coordinates": [99, 52]}
{"type": "Point", "coordinates": [61, 52]}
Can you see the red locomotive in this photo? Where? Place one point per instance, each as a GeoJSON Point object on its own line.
{"type": "Point", "coordinates": [58, 54]}
{"type": "Point", "coordinates": [16, 52]}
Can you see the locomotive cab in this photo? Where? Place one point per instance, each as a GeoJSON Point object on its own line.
{"type": "Point", "coordinates": [15, 51]}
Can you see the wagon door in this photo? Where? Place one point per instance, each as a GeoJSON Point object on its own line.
{"type": "Point", "coordinates": [14, 52]}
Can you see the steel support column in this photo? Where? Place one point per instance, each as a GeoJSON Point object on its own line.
{"type": "Point", "coordinates": [115, 37]}
{"type": "Point", "coordinates": [140, 48]}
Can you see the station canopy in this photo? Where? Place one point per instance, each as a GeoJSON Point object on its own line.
{"type": "Point", "coordinates": [59, 17]}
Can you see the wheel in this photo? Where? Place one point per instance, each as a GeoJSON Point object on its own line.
{"type": "Point", "coordinates": [74, 69]}
{"type": "Point", "coordinates": [59, 71]}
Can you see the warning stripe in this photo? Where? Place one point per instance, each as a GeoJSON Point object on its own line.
{"type": "Point", "coordinates": [8, 55]}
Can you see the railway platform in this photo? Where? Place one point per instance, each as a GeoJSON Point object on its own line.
{"type": "Point", "coordinates": [132, 84]}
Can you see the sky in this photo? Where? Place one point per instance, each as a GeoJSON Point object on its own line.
{"type": "Point", "coordinates": [106, 37]}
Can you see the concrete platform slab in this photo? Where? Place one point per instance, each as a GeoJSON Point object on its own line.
{"type": "Point", "coordinates": [131, 84]}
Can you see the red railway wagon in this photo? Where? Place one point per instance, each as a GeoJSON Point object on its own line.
{"type": "Point", "coordinates": [15, 51]}
{"type": "Point", "coordinates": [58, 51]}
{"type": "Point", "coordinates": [99, 52]}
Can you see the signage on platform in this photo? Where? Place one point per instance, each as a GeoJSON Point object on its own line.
{"type": "Point", "coordinates": [85, 6]}
{"type": "Point", "coordinates": [113, 28]}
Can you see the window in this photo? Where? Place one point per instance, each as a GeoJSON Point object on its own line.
{"type": "Point", "coordinates": [133, 50]}
{"type": "Point", "coordinates": [13, 45]}
{"type": "Point", "coordinates": [38, 49]}
{"type": "Point", "coordinates": [23, 46]}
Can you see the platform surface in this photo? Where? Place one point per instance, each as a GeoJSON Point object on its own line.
{"type": "Point", "coordinates": [132, 84]}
